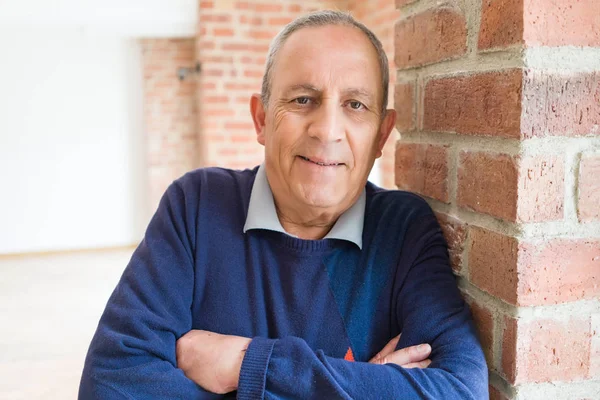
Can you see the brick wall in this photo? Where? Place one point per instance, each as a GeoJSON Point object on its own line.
{"type": "Point", "coordinates": [500, 132]}
{"type": "Point", "coordinates": [169, 112]}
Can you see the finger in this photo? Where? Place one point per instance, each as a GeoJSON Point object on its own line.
{"type": "Point", "coordinates": [389, 348]}
{"type": "Point", "coordinates": [407, 355]}
{"type": "Point", "coordinates": [421, 364]}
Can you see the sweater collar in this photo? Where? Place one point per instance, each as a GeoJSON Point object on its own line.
{"type": "Point", "coordinates": [262, 213]}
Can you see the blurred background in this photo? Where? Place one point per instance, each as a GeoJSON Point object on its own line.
{"type": "Point", "coordinates": [102, 105]}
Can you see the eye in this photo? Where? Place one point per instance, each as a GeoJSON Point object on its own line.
{"type": "Point", "coordinates": [302, 100]}
{"type": "Point", "coordinates": [356, 105]}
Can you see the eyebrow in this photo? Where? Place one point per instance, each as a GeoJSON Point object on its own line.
{"type": "Point", "coordinates": [302, 87]}
{"type": "Point", "coordinates": [351, 92]}
{"type": "Point", "coordinates": [360, 93]}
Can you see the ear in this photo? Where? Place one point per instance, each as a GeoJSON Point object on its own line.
{"type": "Point", "coordinates": [258, 116]}
{"type": "Point", "coordinates": [385, 129]}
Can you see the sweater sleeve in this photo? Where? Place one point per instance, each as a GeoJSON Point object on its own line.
{"type": "Point", "coordinates": [430, 310]}
{"type": "Point", "coordinates": [132, 354]}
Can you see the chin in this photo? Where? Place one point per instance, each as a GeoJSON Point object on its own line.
{"type": "Point", "coordinates": [322, 198]}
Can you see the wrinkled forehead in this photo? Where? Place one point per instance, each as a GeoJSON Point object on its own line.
{"type": "Point", "coordinates": [332, 59]}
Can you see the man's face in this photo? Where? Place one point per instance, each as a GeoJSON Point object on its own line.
{"type": "Point", "coordinates": [323, 128]}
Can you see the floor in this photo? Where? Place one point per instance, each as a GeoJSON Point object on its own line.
{"type": "Point", "coordinates": [49, 309]}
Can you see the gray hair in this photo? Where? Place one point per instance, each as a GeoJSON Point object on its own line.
{"type": "Point", "coordinates": [316, 19]}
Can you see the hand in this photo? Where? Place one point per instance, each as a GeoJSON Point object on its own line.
{"type": "Point", "coordinates": [409, 357]}
{"type": "Point", "coordinates": [212, 360]}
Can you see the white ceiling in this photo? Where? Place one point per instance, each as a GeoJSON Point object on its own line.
{"type": "Point", "coordinates": [136, 18]}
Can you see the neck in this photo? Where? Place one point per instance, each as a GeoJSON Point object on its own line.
{"type": "Point", "coordinates": [313, 227]}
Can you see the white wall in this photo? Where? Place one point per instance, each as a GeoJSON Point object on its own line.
{"type": "Point", "coordinates": [72, 167]}
{"type": "Point", "coordinates": [71, 147]}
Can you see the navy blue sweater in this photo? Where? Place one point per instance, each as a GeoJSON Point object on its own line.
{"type": "Point", "coordinates": [311, 306]}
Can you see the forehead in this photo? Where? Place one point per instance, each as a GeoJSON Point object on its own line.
{"type": "Point", "coordinates": [332, 57]}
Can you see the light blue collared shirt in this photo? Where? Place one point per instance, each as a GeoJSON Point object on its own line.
{"type": "Point", "coordinates": [262, 213]}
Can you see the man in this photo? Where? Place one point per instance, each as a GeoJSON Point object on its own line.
{"type": "Point", "coordinates": [297, 279]}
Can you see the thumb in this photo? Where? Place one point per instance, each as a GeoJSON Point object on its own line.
{"type": "Point", "coordinates": [406, 356]}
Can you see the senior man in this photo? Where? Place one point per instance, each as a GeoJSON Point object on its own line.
{"type": "Point", "coordinates": [297, 279]}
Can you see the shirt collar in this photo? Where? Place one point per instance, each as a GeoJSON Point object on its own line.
{"type": "Point", "coordinates": [262, 213]}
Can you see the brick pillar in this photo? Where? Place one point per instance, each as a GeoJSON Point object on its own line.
{"type": "Point", "coordinates": [499, 112]}
{"type": "Point", "coordinates": [169, 112]}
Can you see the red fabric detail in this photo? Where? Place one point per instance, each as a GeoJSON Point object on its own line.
{"type": "Point", "coordinates": [349, 355]}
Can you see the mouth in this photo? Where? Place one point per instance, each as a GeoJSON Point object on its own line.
{"type": "Point", "coordinates": [322, 163]}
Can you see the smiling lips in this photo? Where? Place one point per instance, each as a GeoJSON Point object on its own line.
{"type": "Point", "coordinates": [322, 163]}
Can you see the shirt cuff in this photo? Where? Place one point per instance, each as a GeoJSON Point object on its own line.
{"type": "Point", "coordinates": [253, 374]}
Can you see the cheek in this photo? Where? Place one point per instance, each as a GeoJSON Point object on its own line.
{"type": "Point", "coordinates": [363, 144]}
{"type": "Point", "coordinates": [285, 133]}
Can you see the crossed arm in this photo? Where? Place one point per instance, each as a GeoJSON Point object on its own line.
{"type": "Point", "coordinates": [133, 353]}
{"type": "Point", "coordinates": [214, 361]}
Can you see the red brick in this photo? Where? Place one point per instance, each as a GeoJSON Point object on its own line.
{"type": "Point", "coordinates": [238, 139]}
{"type": "Point", "coordinates": [259, 7]}
{"type": "Point", "coordinates": [560, 104]}
{"type": "Point", "coordinates": [242, 100]}
{"type": "Point", "coordinates": [243, 5]}
{"type": "Point", "coordinates": [251, 73]}
{"type": "Point", "coordinates": [562, 23]}
{"type": "Point", "coordinates": [484, 322]}
{"type": "Point", "coordinates": [268, 7]}
{"type": "Point", "coordinates": [217, 59]}
{"type": "Point", "coordinates": [423, 169]}
{"type": "Point", "coordinates": [220, 32]}
{"type": "Point", "coordinates": [534, 272]}
{"type": "Point", "coordinates": [216, 99]}
{"type": "Point", "coordinates": [541, 189]}
{"type": "Point", "coordinates": [242, 86]}
{"type": "Point", "coordinates": [429, 37]}
{"type": "Point", "coordinates": [501, 23]}
{"type": "Point", "coordinates": [589, 188]}
{"type": "Point", "coordinates": [294, 8]}
{"type": "Point", "coordinates": [558, 270]}
{"type": "Point", "coordinates": [595, 347]}
{"type": "Point", "coordinates": [239, 126]}
{"type": "Point", "coordinates": [261, 34]}
{"type": "Point", "coordinates": [509, 349]}
{"type": "Point", "coordinates": [546, 350]}
{"type": "Point", "coordinates": [253, 48]}
{"type": "Point", "coordinates": [404, 103]}
{"type": "Point", "coordinates": [280, 21]}
{"type": "Point", "coordinates": [206, 45]}
{"type": "Point", "coordinates": [215, 18]}
{"type": "Point", "coordinates": [480, 104]}
{"type": "Point", "coordinates": [493, 263]}
{"type": "Point", "coordinates": [207, 4]}
{"type": "Point", "coordinates": [219, 113]}
{"type": "Point", "coordinates": [532, 188]}
{"type": "Point", "coordinates": [455, 232]}
{"type": "Point", "coordinates": [245, 19]}
{"type": "Point", "coordinates": [488, 183]}
{"type": "Point", "coordinates": [212, 72]}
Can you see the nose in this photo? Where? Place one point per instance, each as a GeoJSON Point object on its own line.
{"type": "Point", "coordinates": [327, 125]}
